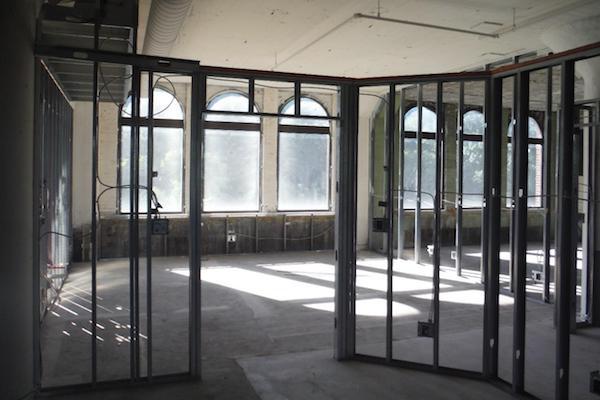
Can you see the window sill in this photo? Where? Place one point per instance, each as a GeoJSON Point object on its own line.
{"type": "Point", "coordinates": [267, 214]}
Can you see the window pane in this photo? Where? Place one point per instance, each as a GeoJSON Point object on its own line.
{"type": "Point", "coordinates": [427, 173]}
{"type": "Point", "coordinates": [473, 122]}
{"type": "Point", "coordinates": [168, 163]}
{"type": "Point", "coordinates": [165, 106]}
{"type": "Point", "coordinates": [534, 175]}
{"type": "Point", "coordinates": [303, 171]}
{"type": "Point", "coordinates": [472, 173]}
{"type": "Point", "coordinates": [125, 168]}
{"type": "Point", "coordinates": [231, 170]}
{"type": "Point", "coordinates": [428, 120]}
{"type": "Point", "coordinates": [509, 174]}
{"type": "Point", "coordinates": [410, 173]}
{"type": "Point", "coordinates": [308, 106]}
{"type": "Point", "coordinates": [231, 101]}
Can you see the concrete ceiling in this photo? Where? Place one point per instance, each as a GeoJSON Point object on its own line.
{"type": "Point", "coordinates": [323, 37]}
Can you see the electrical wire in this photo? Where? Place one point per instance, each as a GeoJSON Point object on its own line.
{"type": "Point", "coordinates": [322, 233]}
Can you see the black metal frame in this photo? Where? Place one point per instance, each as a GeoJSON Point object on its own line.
{"type": "Point", "coordinates": [135, 367]}
{"type": "Point", "coordinates": [346, 192]}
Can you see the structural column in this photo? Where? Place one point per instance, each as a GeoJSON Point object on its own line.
{"type": "Point", "coordinates": [345, 225]}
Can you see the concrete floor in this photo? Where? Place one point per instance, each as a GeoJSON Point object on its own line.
{"type": "Point", "coordinates": [267, 330]}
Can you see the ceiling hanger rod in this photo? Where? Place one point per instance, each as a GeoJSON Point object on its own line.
{"type": "Point", "coordinates": [430, 26]}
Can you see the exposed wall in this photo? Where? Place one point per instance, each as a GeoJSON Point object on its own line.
{"type": "Point", "coordinates": [471, 233]}
{"type": "Point", "coordinates": [17, 23]}
{"type": "Point", "coordinates": [113, 226]}
{"type": "Point", "coordinates": [82, 162]}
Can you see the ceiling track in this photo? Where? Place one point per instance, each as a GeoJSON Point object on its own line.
{"type": "Point", "coordinates": [423, 25]}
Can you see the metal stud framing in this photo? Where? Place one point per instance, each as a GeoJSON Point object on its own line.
{"type": "Point", "coordinates": [459, 178]}
{"type": "Point", "coordinates": [417, 241]}
{"type": "Point", "coordinates": [389, 211]}
{"type": "Point", "coordinates": [437, 211]}
{"type": "Point", "coordinates": [547, 174]}
{"type": "Point", "coordinates": [520, 135]}
{"type": "Point", "coordinates": [346, 204]}
{"type": "Point", "coordinates": [345, 237]}
{"type": "Point", "coordinates": [492, 193]}
{"type": "Point", "coordinates": [564, 241]}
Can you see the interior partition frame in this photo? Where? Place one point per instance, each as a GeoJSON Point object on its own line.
{"type": "Point", "coordinates": [139, 65]}
{"type": "Point", "coordinates": [346, 191]}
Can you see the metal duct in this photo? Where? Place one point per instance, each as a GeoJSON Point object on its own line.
{"type": "Point", "coordinates": [164, 22]}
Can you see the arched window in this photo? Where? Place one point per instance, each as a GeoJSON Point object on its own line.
{"type": "Point", "coordinates": [231, 155]}
{"type": "Point", "coordinates": [428, 120]}
{"type": "Point", "coordinates": [428, 157]}
{"type": "Point", "coordinates": [535, 145]}
{"type": "Point", "coordinates": [473, 131]}
{"type": "Point", "coordinates": [303, 158]}
{"type": "Point", "coordinates": [167, 150]}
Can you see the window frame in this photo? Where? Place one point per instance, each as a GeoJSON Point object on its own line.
{"type": "Point", "coordinates": [409, 134]}
{"type": "Point", "coordinates": [305, 129]}
{"type": "Point", "coordinates": [472, 137]}
{"type": "Point", "coordinates": [538, 118]}
{"type": "Point", "coordinates": [143, 122]}
{"type": "Point", "coordinates": [234, 126]}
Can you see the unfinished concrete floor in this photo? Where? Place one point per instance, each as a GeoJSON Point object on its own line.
{"type": "Point", "coordinates": [267, 330]}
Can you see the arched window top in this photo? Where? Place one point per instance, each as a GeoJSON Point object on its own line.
{"type": "Point", "coordinates": [165, 106]}
{"type": "Point", "coordinates": [428, 120]}
{"type": "Point", "coordinates": [473, 123]}
{"type": "Point", "coordinates": [308, 106]}
{"type": "Point", "coordinates": [533, 129]}
{"type": "Point", "coordinates": [231, 101]}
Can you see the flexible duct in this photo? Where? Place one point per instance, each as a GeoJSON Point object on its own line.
{"type": "Point", "coordinates": [164, 22]}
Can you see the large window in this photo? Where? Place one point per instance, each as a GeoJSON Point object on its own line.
{"type": "Point", "coordinates": [534, 164]}
{"type": "Point", "coordinates": [304, 158]}
{"type": "Point", "coordinates": [428, 157]}
{"type": "Point", "coordinates": [231, 156]}
{"type": "Point", "coordinates": [473, 130]}
{"type": "Point", "coordinates": [167, 134]}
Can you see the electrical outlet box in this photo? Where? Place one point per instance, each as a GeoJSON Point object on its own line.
{"type": "Point", "coordinates": [536, 276]}
{"type": "Point", "coordinates": [160, 226]}
{"type": "Point", "coordinates": [453, 254]}
{"type": "Point", "coordinates": [380, 224]}
{"type": "Point", "coordinates": [231, 237]}
{"type": "Point", "coordinates": [425, 329]}
{"type": "Point", "coordinates": [430, 249]}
